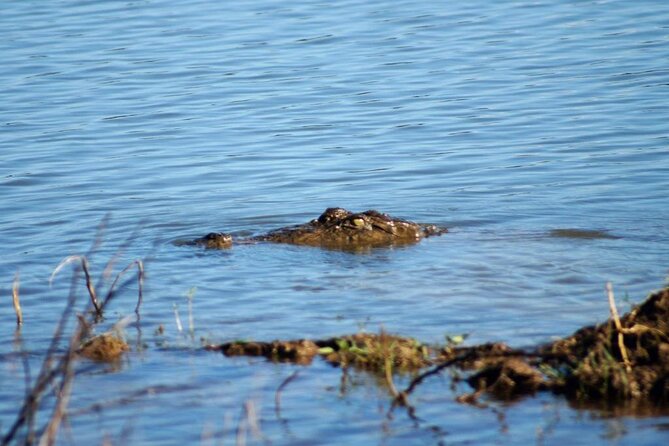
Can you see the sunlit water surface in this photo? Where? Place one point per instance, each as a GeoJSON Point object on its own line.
{"type": "Point", "coordinates": [502, 121]}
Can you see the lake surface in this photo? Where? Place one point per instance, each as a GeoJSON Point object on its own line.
{"type": "Point", "coordinates": [507, 122]}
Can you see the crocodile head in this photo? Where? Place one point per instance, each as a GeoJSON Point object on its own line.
{"type": "Point", "coordinates": [338, 228]}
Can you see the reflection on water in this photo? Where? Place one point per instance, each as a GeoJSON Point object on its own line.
{"type": "Point", "coordinates": [535, 133]}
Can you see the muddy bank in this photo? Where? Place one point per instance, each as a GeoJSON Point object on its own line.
{"type": "Point", "coordinates": [621, 362]}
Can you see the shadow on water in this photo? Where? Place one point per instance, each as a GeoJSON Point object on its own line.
{"type": "Point", "coordinates": [587, 234]}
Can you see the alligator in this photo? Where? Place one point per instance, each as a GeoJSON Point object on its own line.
{"type": "Point", "coordinates": [338, 229]}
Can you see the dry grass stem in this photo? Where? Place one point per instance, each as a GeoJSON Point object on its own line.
{"type": "Point", "coordinates": [48, 438]}
{"type": "Point", "coordinates": [191, 321]}
{"type": "Point", "coordinates": [253, 420]}
{"type": "Point", "coordinates": [633, 385]}
{"type": "Point", "coordinates": [121, 325]}
{"type": "Point", "coordinates": [248, 422]}
{"type": "Point", "coordinates": [15, 299]}
{"type": "Point", "coordinates": [241, 433]}
{"type": "Point", "coordinates": [140, 283]}
{"type": "Point", "coordinates": [619, 327]}
{"type": "Point", "coordinates": [177, 319]}
{"type": "Point", "coordinates": [389, 377]}
{"type": "Point", "coordinates": [48, 376]}
{"type": "Point", "coordinates": [57, 369]}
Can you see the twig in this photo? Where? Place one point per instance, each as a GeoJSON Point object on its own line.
{"type": "Point", "coordinates": [85, 325]}
{"type": "Point", "coordinates": [57, 369]}
{"type": "Point", "coordinates": [65, 370]}
{"type": "Point", "coordinates": [15, 299]}
{"type": "Point", "coordinates": [140, 282]}
{"type": "Point", "coordinates": [277, 395]}
{"type": "Point", "coordinates": [89, 283]}
{"type": "Point", "coordinates": [107, 271]}
{"type": "Point", "coordinates": [402, 397]}
{"type": "Point", "coordinates": [47, 374]}
{"type": "Point", "coordinates": [65, 367]}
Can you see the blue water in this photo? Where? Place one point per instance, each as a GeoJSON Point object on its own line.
{"type": "Point", "coordinates": [499, 120]}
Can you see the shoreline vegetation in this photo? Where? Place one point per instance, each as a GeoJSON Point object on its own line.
{"type": "Point", "coordinates": [620, 364]}
{"type": "Point", "coordinates": [55, 378]}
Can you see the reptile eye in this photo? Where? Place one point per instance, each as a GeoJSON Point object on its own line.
{"type": "Point", "coordinates": [358, 222]}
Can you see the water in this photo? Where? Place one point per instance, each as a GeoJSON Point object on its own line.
{"type": "Point", "coordinates": [502, 121]}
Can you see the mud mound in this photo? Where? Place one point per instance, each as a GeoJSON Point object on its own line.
{"type": "Point", "coordinates": [376, 352]}
{"type": "Point", "coordinates": [105, 347]}
{"type": "Point", "coordinates": [599, 364]}
{"type": "Point", "coordinates": [361, 350]}
{"type": "Point", "coordinates": [301, 351]}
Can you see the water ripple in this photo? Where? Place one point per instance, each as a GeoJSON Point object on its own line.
{"type": "Point", "coordinates": [503, 121]}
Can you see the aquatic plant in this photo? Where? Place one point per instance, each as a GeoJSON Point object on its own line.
{"type": "Point", "coordinates": [57, 368]}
